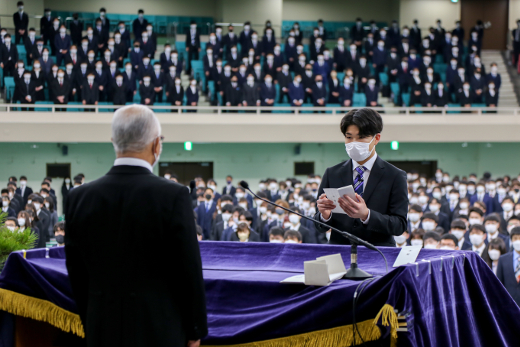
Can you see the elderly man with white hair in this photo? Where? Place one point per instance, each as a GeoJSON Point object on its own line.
{"type": "Point", "coordinates": [132, 252]}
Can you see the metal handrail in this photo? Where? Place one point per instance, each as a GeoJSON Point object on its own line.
{"type": "Point", "coordinates": [277, 110]}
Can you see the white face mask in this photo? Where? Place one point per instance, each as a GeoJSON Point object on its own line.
{"type": "Point", "coordinates": [428, 226]}
{"type": "Point", "coordinates": [491, 228]}
{"type": "Point", "coordinates": [416, 242]}
{"type": "Point", "coordinates": [400, 239]}
{"type": "Point", "coordinates": [458, 234]}
{"type": "Point", "coordinates": [413, 217]}
{"type": "Point", "coordinates": [430, 246]}
{"type": "Point", "coordinates": [516, 245]}
{"type": "Point", "coordinates": [21, 222]}
{"type": "Point", "coordinates": [291, 241]}
{"type": "Point", "coordinates": [294, 219]}
{"type": "Point", "coordinates": [476, 240]}
{"type": "Point", "coordinates": [359, 151]}
{"type": "Point", "coordinates": [494, 254]}
{"type": "Point", "coordinates": [474, 221]}
{"type": "Point", "coordinates": [37, 206]}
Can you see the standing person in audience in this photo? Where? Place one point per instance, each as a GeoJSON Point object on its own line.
{"type": "Point", "coordinates": [416, 87]}
{"type": "Point", "coordinates": [139, 25]}
{"type": "Point", "coordinates": [230, 40]}
{"type": "Point", "coordinates": [8, 56]}
{"type": "Point", "coordinates": [496, 249]}
{"type": "Point", "coordinates": [146, 91]}
{"type": "Point", "coordinates": [26, 89]}
{"type": "Point", "coordinates": [346, 92]}
{"type": "Point", "coordinates": [441, 97]}
{"type": "Point", "coordinates": [21, 22]}
{"type": "Point", "coordinates": [45, 25]}
{"type": "Point", "coordinates": [62, 42]}
{"type": "Point", "coordinates": [245, 38]}
{"type": "Point", "coordinates": [192, 45]}
{"type": "Point", "coordinates": [428, 98]}
{"type": "Point", "coordinates": [458, 229]}
{"type": "Point", "coordinates": [233, 93]}
{"type": "Point", "coordinates": [119, 90]}
{"type": "Point", "coordinates": [101, 34]}
{"type": "Point", "coordinates": [362, 72]}
{"type": "Point", "coordinates": [477, 237]}
{"type": "Point", "coordinates": [60, 89]}
{"type": "Point", "coordinates": [284, 79]}
{"type": "Point", "coordinates": [205, 212]}
{"type": "Point", "coordinates": [90, 91]}
{"type": "Point", "coordinates": [30, 44]}
{"type": "Point", "coordinates": [152, 37]}
{"type": "Point", "coordinates": [192, 95]}
{"type": "Point", "coordinates": [466, 97]}
{"type": "Point", "coordinates": [477, 85]}
{"type": "Point", "coordinates": [508, 268]}
{"type": "Point", "coordinates": [372, 93]}
{"type": "Point", "coordinates": [147, 46]}
{"type": "Point", "coordinates": [491, 95]}
{"type": "Point", "coordinates": [158, 81]}
{"type": "Point", "coordinates": [175, 93]}
{"type": "Point", "coordinates": [319, 92]}
{"type": "Point", "coordinates": [46, 62]}
{"type": "Point", "coordinates": [250, 92]}
{"type": "Point", "coordinates": [494, 77]}
{"type": "Point", "coordinates": [137, 147]}
{"type": "Point", "coordinates": [296, 92]}
{"type": "Point", "coordinates": [357, 33]}
{"type": "Point", "coordinates": [267, 92]}
{"type": "Point", "coordinates": [334, 87]}
{"type": "Point", "coordinates": [76, 29]}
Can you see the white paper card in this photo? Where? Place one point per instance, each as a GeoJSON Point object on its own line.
{"type": "Point", "coordinates": [320, 272]}
{"type": "Point", "coordinates": [335, 263]}
{"type": "Point", "coordinates": [407, 255]}
{"type": "Point", "coordinates": [334, 194]}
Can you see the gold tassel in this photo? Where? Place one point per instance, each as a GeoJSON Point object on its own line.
{"type": "Point", "coordinates": [340, 336]}
{"type": "Point", "coordinates": [40, 310]}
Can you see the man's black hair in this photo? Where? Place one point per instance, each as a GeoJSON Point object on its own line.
{"type": "Point", "coordinates": [450, 237]}
{"type": "Point", "coordinates": [432, 235]}
{"type": "Point", "coordinates": [277, 231]}
{"type": "Point", "coordinates": [368, 121]}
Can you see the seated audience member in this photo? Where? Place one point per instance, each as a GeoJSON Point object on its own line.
{"type": "Point", "coordinates": [429, 221]}
{"type": "Point", "coordinates": [466, 97]}
{"type": "Point", "coordinates": [449, 243]}
{"type": "Point", "coordinates": [90, 90]}
{"type": "Point", "coordinates": [292, 236]}
{"type": "Point", "coordinates": [402, 240]}
{"type": "Point", "coordinates": [119, 90]}
{"type": "Point", "coordinates": [346, 92]}
{"type": "Point", "coordinates": [508, 267]}
{"type": "Point", "coordinates": [276, 235]}
{"type": "Point", "coordinates": [308, 236]}
{"type": "Point", "coordinates": [192, 94]}
{"type": "Point", "coordinates": [431, 240]}
{"type": "Point", "coordinates": [59, 233]}
{"type": "Point", "coordinates": [491, 95]}
{"type": "Point", "coordinates": [319, 92]}
{"type": "Point", "coordinates": [496, 249]}
{"type": "Point", "coordinates": [175, 93]}
{"type": "Point", "coordinates": [441, 96]}
{"type": "Point", "coordinates": [245, 234]}
{"type": "Point", "coordinates": [477, 237]}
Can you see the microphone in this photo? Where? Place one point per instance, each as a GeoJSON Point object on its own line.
{"type": "Point", "coordinates": [354, 272]}
{"type": "Point", "coordinates": [192, 185]}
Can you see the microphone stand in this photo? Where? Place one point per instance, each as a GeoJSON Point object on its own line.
{"type": "Point", "coordinates": [354, 273]}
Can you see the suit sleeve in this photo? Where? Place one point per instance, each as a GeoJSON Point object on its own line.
{"type": "Point", "coordinates": [500, 270]}
{"type": "Point", "coordinates": [78, 274]}
{"type": "Point", "coordinates": [394, 221]}
{"type": "Point", "coordinates": [317, 216]}
{"type": "Point", "coordinates": [185, 236]}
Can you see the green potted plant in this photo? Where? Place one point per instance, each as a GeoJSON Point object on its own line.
{"type": "Point", "coordinates": [11, 241]}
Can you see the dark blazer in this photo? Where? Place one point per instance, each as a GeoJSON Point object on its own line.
{"type": "Point", "coordinates": [90, 95]}
{"type": "Point", "coordinates": [250, 94]}
{"type": "Point", "coordinates": [62, 43]}
{"type": "Point", "coordinates": [118, 93]}
{"type": "Point", "coordinates": [21, 23]}
{"type": "Point", "coordinates": [267, 93]}
{"type": "Point", "coordinates": [506, 275]}
{"type": "Point", "coordinates": [307, 235]}
{"type": "Point", "coordinates": [124, 300]}
{"type": "Point", "coordinates": [63, 90]}
{"type": "Point", "coordinates": [147, 93]}
{"type": "Point", "coordinates": [28, 191]}
{"type": "Point", "coordinates": [191, 96]}
{"type": "Point", "coordinates": [205, 218]}
{"type": "Point", "coordinates": [173, 96]}
{"type": "Point", "coordinates": [76, 29]}
{"type": "Point", "coordinates": [253, 237]}
{"type": "Point", "coordinates": [386, 195]}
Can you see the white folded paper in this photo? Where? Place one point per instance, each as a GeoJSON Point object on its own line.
{"type": "Point", "coordinates": [334, 194]}
{"type": "Point", "coordinates": [320, 272]}
{"type": "Point", "coordinates": [407, 255]}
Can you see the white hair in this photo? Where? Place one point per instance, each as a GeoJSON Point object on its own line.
{"type": "Point", "coordinates": [134, 127]}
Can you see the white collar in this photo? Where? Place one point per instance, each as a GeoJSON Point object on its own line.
{"type": "Point", "coordinates": [133, 162]}
{"type": "Point", "coordinates": [368, 165]}
{"type": "Point", "coordinates": [480, 249]}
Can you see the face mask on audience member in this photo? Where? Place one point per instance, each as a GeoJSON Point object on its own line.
{"type": "Point", "coordinates": [268, 80]}
{"type": "Point", "coordinates": [428, 226]}
{"type": "Point", "coordinates": [416, 242]}
{"type": "Point", "coordinates": [362, 62]}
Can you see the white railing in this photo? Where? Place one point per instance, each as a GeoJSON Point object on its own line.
{"type": "Point", "coordinates": [266, 110]}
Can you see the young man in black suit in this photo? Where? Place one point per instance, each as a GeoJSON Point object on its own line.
{"type": "Point", "coordinates": [508, 270]}
{"type": "Point", "coordinates": [192, 44]}
{"type": "Point", "coordinates": [21, 22]}
{"type": "Point", "coordinates": [103, 280]}
{"type": "Point", "coordinates": [379, 211]}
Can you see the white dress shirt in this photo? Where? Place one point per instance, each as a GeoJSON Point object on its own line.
{"type": "Point", "coordinates": [479, 250]}
{"type": "Point", "coordinates": [368, 165]}
{"type": "Point", "coordinates": [133, 162]}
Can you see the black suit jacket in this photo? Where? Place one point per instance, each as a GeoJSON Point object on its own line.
{"type": "Point", "coordinates": [21, 23]}
{"type": "Point", "coordinates": [28, 191]}
{"type": "Point", "coordinates": [506, 275]}
{"type": "Point", "coordinates": [386, 195]}
{"type": "Point", "coordinates": [128, 300]}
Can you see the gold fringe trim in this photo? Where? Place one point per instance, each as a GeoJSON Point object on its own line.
{"type": "Point", "coordinates": [40, 310]}
{"type": "Point", "coordinates": [45, 311]}
{"type": "Point", "coordinates": [340, 336]}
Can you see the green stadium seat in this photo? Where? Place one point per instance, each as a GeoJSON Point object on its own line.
{"type": "Point", "coordinates": [9, 87]}
{"type": "Point", "coordinates": [75, 109]}
{"type": "Point", "coordinates": [46, 109]}
{"type": "Point", "coordinates": [283, 105]}
{"type": "Point", "coordinates": [383, 77]}
{"type": "Point", "coordinates": [161, 104]}
{"type": "Point", "coordinates": [406, 99]}
{"type": "Point", "coordinates": [359, 100]}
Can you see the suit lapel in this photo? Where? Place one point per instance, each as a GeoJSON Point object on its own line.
{"type": "Point", "coordinates": [346, 180]}
{"type": "Point", "coordinates": [375, 176]}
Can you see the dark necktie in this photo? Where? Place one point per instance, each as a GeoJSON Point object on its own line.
{"type": "Point", "coordinates": [358, 182]}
